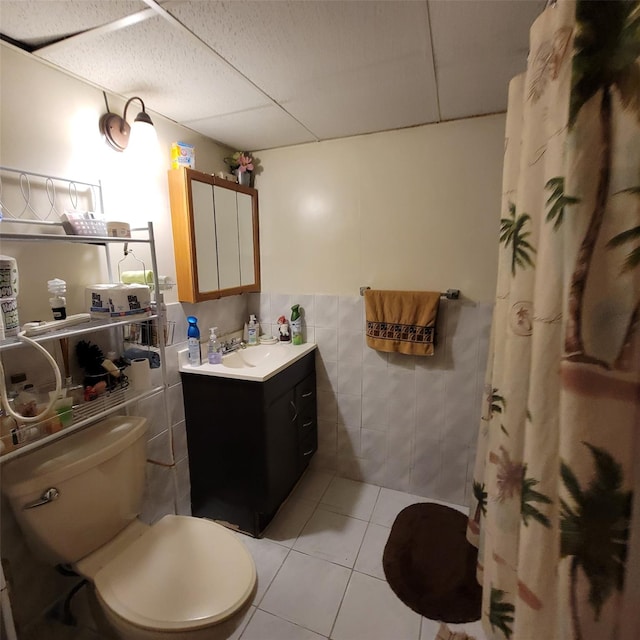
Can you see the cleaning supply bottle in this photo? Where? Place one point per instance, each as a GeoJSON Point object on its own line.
{"type": "Point", "coordinates": [57, 289]}
{"type": "Point", "coordinates": [214, 352]}
{"type": "Point", "coordinates": [296, 325]}
{"type": "Point", "coordinates": [253, 331]}
{"type": "Point", "coordinates": [193, 339]}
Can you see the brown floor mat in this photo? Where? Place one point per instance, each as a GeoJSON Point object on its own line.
{"type": "Point", "coordinates": [430, 565]}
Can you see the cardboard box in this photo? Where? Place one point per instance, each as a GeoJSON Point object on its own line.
{"type": "Point", "coordinates": [183, 154]}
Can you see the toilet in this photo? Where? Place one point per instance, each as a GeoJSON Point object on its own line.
{"type": "Point", "coordinates": [77, 501]}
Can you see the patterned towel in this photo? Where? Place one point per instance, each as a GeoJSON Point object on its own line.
{"type": "Point", "coordinates": [401, 321]}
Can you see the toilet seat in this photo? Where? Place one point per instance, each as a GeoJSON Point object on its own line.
{"type": "Point", "coordinates": [182, 574]}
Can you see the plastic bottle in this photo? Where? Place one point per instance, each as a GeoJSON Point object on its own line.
{"type": "Point", "coordinates": [193, 339]}
{"type": "Point", "coordinates": [214, 352]}
{"type": "Point", "coordinates": [253, 331]}
{"type": "Point", "coordinates": [296, 325]}
{"type": "Point", "coordinates": [57, 289]}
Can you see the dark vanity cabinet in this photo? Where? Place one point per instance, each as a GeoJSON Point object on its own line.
{"type": "Point", "coordinates": [249, 442]}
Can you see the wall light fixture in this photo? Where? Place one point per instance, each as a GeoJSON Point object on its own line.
{"type": "Point", "coordinates": [117, 131]}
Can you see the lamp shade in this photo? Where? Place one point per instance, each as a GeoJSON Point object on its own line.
{"type": "Point", "coordinates": [143, 149]}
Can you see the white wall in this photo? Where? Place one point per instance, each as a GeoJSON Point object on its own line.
{"type": "Point", "coordinates": [410, 209]}
{"type": "Point", "coordinates": [49, 124]}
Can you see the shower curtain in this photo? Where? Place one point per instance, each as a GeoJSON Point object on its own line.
{"type": "Point", "coordinates": [559, 443]}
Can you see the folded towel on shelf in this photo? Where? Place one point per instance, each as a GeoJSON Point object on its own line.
{"type": "Point", "coordinates": [401, 321]}
{"type": "Point", "coordinates": [134, 353]}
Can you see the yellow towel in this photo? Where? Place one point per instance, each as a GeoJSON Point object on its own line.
{"type": "Point", "coordinates": [401, 321]}
{"type": "Point", "coordinates": [137, 277]}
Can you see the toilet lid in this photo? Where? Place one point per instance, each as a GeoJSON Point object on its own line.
{"type": "Point", "coordinates": [183, 573]}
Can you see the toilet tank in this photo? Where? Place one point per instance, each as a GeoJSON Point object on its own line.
{"type": "Point", "coordinates": [99, 473]}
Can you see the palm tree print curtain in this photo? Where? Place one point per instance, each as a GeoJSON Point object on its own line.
{"type": "Point", "coordinates": [559, 443]}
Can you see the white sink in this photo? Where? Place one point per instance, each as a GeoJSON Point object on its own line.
{"type": "Point", "coordinates": [257, 363]}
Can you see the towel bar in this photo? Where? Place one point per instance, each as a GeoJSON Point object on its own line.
{"type": "Point", "coordinates": [449, 294]}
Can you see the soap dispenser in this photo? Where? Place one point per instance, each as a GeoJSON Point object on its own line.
{"type": "Point", "coordinates": [214, 352]}
{"type": "Point", "coordinates": [253, 331]}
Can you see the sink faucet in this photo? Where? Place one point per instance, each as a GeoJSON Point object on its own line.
{"type": "Point", "coordinates": [233, 345]}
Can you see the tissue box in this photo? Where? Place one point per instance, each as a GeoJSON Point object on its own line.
{"type": "Point", "coordinates": [183, 154]}
{"type": "Point", "coordinates": [118, 301]}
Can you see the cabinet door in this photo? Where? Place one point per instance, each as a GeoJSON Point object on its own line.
{"type": "Point", "coordinates": [226, 209]}
{"type": "Point", "coordinates": [204, 226]}
{"type": "Point", "coordinates": [281, 449]}
{"type": "Point", "coordinates": [245, 239]}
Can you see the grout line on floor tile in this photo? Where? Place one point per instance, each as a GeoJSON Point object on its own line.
{"type": "Point", "coordinates": [257, 602]}
{"type": "Point", "coordinates": [344, 593]}
{"type": "Point", "coordinates": [355, 562]}
{"type": "Point", "coordinates": [255, 608]}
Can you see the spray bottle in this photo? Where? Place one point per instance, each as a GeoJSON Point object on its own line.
{"type": "Point", "coordinates": [296, 325]}
{"type": "Point", "coordinates": [193, 340]}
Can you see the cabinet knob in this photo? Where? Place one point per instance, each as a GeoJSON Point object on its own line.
{"type": "Point", "coordinates": [295, 411]}
{"type": "Point", "coordinates": [308, 394]}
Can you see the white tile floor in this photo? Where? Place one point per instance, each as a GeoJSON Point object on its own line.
{"type": "Point", "coordinates": [320, 572]}
{"type": "Point", "coordinates": [320, 568]}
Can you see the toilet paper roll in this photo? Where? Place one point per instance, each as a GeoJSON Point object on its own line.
{"type": "Point", "coordinates": [140, 374]}
{"type": "Point", "coordinates": [9, 316]}
{"type": "Point", "coordinates": [8, 277]}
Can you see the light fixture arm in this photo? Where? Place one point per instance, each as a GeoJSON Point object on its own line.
{"type": "Point", "coordinates": [143, 116]}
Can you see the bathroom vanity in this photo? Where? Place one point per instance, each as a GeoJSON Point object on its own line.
{"type": "Point", "coordinates": [251, 431]}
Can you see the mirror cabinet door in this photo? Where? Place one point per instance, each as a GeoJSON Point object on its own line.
{"type": "Point", "coordinates": [204, 226]}
{"type": "Point", "coordinates": [246, 239]}
{"type": "Point", "coordinates": [227, 231]}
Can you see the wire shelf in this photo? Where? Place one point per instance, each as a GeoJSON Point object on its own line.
{"type": "Point", "coordinates": [34, 435]}
{"type": "Point", "coordinates": [37, 198]}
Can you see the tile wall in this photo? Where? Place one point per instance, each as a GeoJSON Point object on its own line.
{"type": "Point", "coordinates": [401, 422]}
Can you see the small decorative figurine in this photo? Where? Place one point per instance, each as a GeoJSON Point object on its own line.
{"type": "Point", "coordinates": [283, 329]}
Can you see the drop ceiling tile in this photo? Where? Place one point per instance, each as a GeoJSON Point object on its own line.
{"type": "Point", "coordinates": [372, 99]}
{"type": "Point", "coordinates": [339, 67]}
{"type": "Point", "coordinates": [262, 128]}
{"type": "Point", "coordinates": [478, 48]}
{"type": "Point", "coordinates": [172, 72]}
{"type": "Point", "coordinates": [35, 22]}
